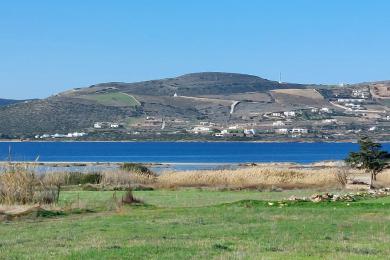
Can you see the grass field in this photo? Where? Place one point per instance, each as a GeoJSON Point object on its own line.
{"type": "Point", "coordinates": [204, 224]}
{"type": "Point", "coordinates": [113, 99]}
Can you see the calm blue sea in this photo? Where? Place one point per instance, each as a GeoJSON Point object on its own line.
{"type": "Point", "coordinates": [176, 152]}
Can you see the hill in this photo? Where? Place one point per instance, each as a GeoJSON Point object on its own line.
{"type": "Point", "coordinates": [5, 102]}
{"type": "Point", "coordinates": [183, 102]}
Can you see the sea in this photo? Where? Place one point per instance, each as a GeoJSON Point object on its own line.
{"type": "Point", "coordinates": [176, 152]}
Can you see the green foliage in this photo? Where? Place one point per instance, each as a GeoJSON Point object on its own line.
{"type": "Point", "coordinates": [370, 157]}
{"type": "Point", "coordinates": [114, 99]}
{"type": "Point", "coordinates": [75, 178]}
{"type": "Point", "coordinates": [137, 168]}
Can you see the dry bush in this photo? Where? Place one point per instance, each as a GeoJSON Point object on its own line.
{"type": "Point", "coordinates": [20, 185]}
{"type": "Point", "coordinates": [342, 175]}
{"type": "Point", "coordinates": [125, 178]}
{"type": "Point", "coordinates": [251, 177]}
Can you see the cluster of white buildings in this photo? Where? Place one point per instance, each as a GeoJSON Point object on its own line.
{"type": "Point", "coordinates": [361, 93]}
{"type": "Point", "coordinates": [69, 135]}
{"type": "Point", "coordinates": [292, 131]}
{"type": "Point", "coordinates": [99, 125]}
{"type": "Point", "coordinates": [321, 110]}
{"type": "Point", "coordinates": [283, 114]}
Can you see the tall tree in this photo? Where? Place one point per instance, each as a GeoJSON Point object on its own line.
{"type": "Point", "coordinates": [370, 158]}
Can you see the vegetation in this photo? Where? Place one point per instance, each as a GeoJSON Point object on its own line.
{"type": "Point", "coordinates": [114, 99]}
{"type": "Point", "coordinates": [204, 224]}
{"type": "Point", "coordinates": [136, 167]}
{"type": "Point", "coordinates": [370, 158]}
{"type": "Point", "coordinates": [20, 185]}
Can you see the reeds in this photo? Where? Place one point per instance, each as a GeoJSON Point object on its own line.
{"type": "Point", "coordinates": [20, 185]}
{"type": "Point", "coordinates": [252, 177]}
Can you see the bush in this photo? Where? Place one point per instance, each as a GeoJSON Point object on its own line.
{"type": "Point", "coordinates": [75, 178]}
{"type": "Point", "coordinates": [137, 168]}
{"type": "Point", "coordinates": [20, 185]}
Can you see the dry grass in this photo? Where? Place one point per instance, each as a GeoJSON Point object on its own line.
{"type": "Point", "coordinates": [20, 185]}
{"type": "Point", "coordinates": [252, 177]}
{"type": "Point", "coordinates": [384, 178]}
{"type": "Point", "coordinates": [125, 178]}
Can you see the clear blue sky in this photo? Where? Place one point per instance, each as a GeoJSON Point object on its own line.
{"type": "Point", "coordinates": [50, 46]}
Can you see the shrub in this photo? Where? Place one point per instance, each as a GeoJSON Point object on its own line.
{"type": "Point", "coordinates": [137, 168]}
{"type": "Point", "coordinates": [75, 178]}
{"type": "Point", "coordinates": [20, 185]}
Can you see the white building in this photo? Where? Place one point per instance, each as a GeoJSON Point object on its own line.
{"type": "Point", "coordinates": [201, 129]}
{"type": "Point", "coordinates": [76, 134]}
{"type": "Point", "coordinates": [289, 113]}
{"type": "Point", "coordinates": [278, 123]}
{"type": "Point", "coordinates": [114, 125]}
{"type": "Point", "coordinates": [325, 110]}
{"type": "Point", "coordinates": [277, 114]}
{"type": "Point", "coordinates": [329, 121]}
{"type": "Point", "coordinates": [299, 131]}
{"type": "Point", "coordinates": [249, 131]}
{"type": "Point", "coordinates": [97, 125]}
{"type": "Point", "coordinates": [281, 131]}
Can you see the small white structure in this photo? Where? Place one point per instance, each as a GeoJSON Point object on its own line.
{"type": "Point", "coordinates": [97, 125]}
{"type": "Point", "coordinates": [373, 128]}
{"type": "Point", "coordinates": [314, 110]}
{"type": "Point", "coordinates": [281, 131]}
{"type": "Point", "coordinates": [201, 129]}
{"type": "Point", "coordinates": [289, 113]}
{"type": "Point", "coordinates": [277, 114]}
{"type": "Point", "coordinates": [299, 131]}
{"type": "Point", "coordinates": [114, 125]}
{"type": "Point", "coordinates": [278, 123]}
{"type": "Point", "coordinates": [329, 121]}
{"type": "Point", "coordinates": [175, 95]}
{"type": "Point", "coordinates": [325, 110]}
{"type": "Point", "coordinates": [249, 131]}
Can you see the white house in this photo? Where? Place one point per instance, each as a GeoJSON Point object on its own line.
{"type": "Point", "coordinates": [325, 110]}
{"type": "Point", "coordinates": [114, 125]}
{"type": "Point", "coordinates": [278, 123]}
{"type": "Point", "coordinates": [97, 125]}
{"type": "Point", "coordinates": [249, 131]}
{"type": "Point", "coordinates": [329, 121]}
{"type": "Point", "coordinates": [299, 131]}
{"type": "Point", "coordinates": [277, 114]}
{"type": "Point", "coordinates": [289, 113]}
{"type": "Point", "coordinates": [201, 129]}
{"type": "Point", "coordinates": [281, 131]}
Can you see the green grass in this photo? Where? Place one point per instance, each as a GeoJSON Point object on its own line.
{"type": "Point", "coordinates": [205, 224]}
{"type": "Point", "coordinates": [114, 99]}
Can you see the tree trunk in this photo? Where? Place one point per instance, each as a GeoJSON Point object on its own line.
{"type": "Point", "coordinates": [372, 180]}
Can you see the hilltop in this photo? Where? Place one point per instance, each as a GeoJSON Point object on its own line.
{"type": "Point", "coordinates": [216, 100]}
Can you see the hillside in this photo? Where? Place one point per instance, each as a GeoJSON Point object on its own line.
{"type": "Point", "coordinates": [5, 102]}
{"type": "Point", "coordinates": [221, 99]}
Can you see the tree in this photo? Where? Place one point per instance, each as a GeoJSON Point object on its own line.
{"type": "Point", "coordinates": [370, 158]}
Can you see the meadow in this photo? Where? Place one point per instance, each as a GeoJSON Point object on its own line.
{"type": "Point", "coordinates": [197, 215]}
{"type": "Point", "coordinates": [194, 223]}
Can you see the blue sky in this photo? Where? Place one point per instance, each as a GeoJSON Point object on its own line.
{"type": "Point", "coordinates": [50, 46]}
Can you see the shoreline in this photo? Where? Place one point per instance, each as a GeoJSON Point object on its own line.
{"type": "Point", "coordinates": [173, 141]}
